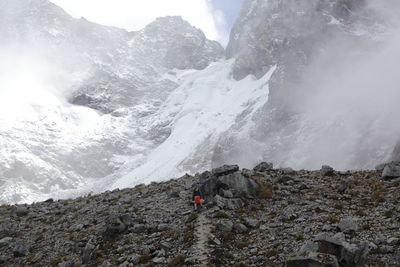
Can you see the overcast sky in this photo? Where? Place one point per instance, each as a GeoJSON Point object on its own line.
{"type": "Point", "coordinates": [214, 17]}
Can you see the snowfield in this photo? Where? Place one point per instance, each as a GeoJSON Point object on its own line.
{"type": "Point", "coordinates": [206, 105]}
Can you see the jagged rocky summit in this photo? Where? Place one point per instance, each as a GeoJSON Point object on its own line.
{"type": "Point", "coordinates": [261, 217]}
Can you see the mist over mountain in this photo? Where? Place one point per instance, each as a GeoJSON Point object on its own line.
{"type": "Point", "coordinates": [86, 107]}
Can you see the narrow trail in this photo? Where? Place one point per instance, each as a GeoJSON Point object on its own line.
{"type": "Point", "coordinates": [202, 234]}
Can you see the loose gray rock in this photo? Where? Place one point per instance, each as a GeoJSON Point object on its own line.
{"type": "Point", "coordinates": [225, 226]}
{"type": "Point", "coordinates": [240, 228]}
{"type": "Point", "coordinates": [288, 214]}
{"type": "Point", "coordinates": [251, 223]}
{"type": "Point", "coordinates": [134, 258]}
{"type": "Point", "coordinates": [138, 228]}
{"type": "Point", "coordinates": [263, 167]}
{"type": "Point", "coordinates": [5, 241]}
{"type": "Point", "coordinates": [21, 211]}
{"type": "Point", "coordinates": [87, 253]}
{"type": "Point", "coordinates": [348, 225]}
{"type": "Point", "coordinates": [327, 170]}
{"type": "Point", "coordinates": [391, 170]}
{"type": "Point", "coordinates": [345, 253]}
{"type": "Point", "coordinates": [114, 225]}
{"type": "Point", "coordinates": [162, 227]}
{"type": "Point", "coordinates": [312, 260]}
{"type": "Point", "coordinates": [159, 260]}
{"type": "Point", "coordinates": [20, 251]}
{"type": "Point", "coordinates": [342, 188]}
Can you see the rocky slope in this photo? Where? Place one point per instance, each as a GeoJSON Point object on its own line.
{"type": "Point", "coordinates": [260, 217]}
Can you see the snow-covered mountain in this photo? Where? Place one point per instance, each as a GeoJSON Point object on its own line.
{"type": "Point", "coordinates": [331, 95]}
{"type": "Point", "coordinates": [79, 99]}
{"type": "Point", "coordinates": [85, 107]}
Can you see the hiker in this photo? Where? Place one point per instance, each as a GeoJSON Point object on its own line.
{"type": "Point", "coordinates": [197, 199]}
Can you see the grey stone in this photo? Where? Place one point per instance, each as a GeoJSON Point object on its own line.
{"type": "Point", "coordinates": [134, 258]}
{"type": "Point", "coordinates": [87, 253]}
{"type": "Point", "coordinates": [240, 228]}
{"type": "Point", "coordinates": [126, 219]}
{"type": "Point", "coordinates": [393, 241]}
{"type": "Point", "coordinates": [391, 170]}
{"type": "Point", "coordinates": [159, 253]}
{"type": "Point", "coordinates": [288, 214]}
{"type": "Point", "coordinates": [348, 225]}
{"type": "Point", "coordinates": [312, 260]}
{"type": "Point", "coordinates": [21, 211]}
{"type": "Point", "coordinates": [327, 170]}
{"type": "Point", "coordinates": [263, 167]}
{"type": "Point", "coordinates": [225, 226]}
{"type": "Point", "coordinates": [380, 167]}
{"type": "Point", "coordinates": [345, 253]}
{"type": "Point", "coordinates": [380, 239]}
{"type": "Point", "coordinates": [252, 223]}
{"type": "Point", "coordinates": [342, 188]}
{"type": "Point", "coordinates": [20, 251]}
{"type": "Point", "coordinates": [285, 179]}
{"type": "Point", "coordinates": [308, 246]}
{"type": "Point", "coordinates": [165, 245]}
{"type": "Point", "coordinates": [114, 225]}
{"type": "Point", "coordinates": [237, 183]}
{"type": "Point", "coordinates": [159, 260]}
{"type": "Point", "coordinates": [5, 241]}
{"type": "Point", "coordinates": [224, 170]}
{"type": "Point", "coordinates": [162, 227]}
{"type": "Point", "coordinates": [138, 228]}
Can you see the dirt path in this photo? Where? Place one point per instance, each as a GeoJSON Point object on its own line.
{"type": "Point", "coordinates": [202, 233]}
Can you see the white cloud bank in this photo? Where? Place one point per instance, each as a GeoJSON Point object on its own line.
{"type": "Point", "coordinates": [135, 14]}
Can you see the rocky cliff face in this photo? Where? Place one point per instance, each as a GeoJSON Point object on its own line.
{"type": "Point", "coordinates": [311, 43]}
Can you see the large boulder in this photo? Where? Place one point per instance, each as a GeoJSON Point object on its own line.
{"type": "Point", "coordinates": [327, 170]}
{"type": "Point", "coordinates": [346, 253]}
{"type": "Point", "coordinates": [227, 177]}
{"type": "Point", "coordinates": [391, 170]}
